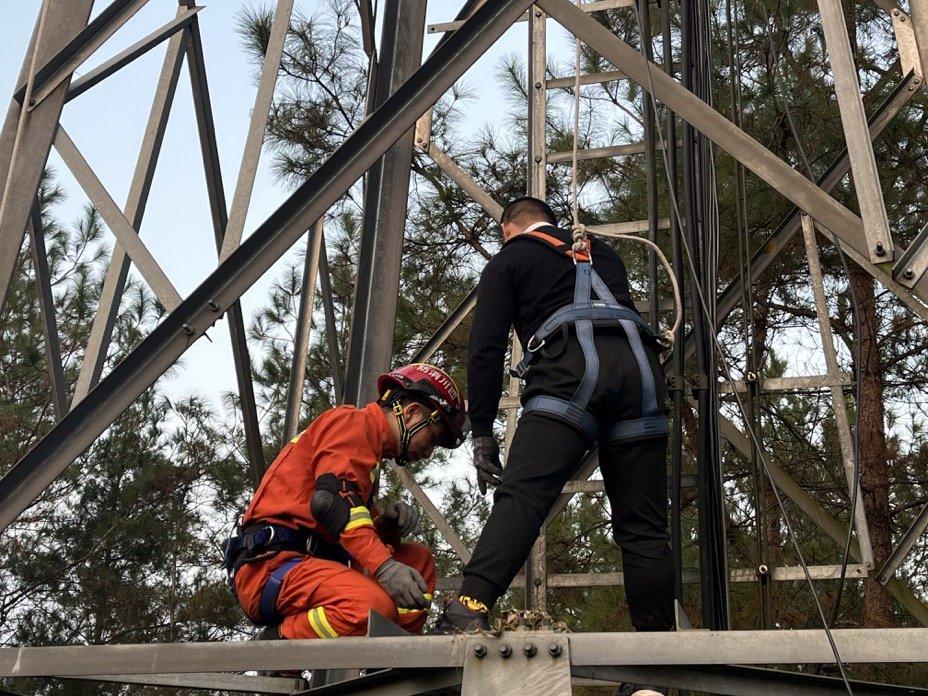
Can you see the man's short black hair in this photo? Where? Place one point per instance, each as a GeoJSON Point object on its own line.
{"type": "Point", "coordinates": [527, 207]}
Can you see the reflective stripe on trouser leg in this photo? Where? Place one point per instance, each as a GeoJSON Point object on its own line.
{"type": "Point", "coordinates": [320, 623]}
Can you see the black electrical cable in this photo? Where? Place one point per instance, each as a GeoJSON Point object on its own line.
{"type": "Point", "coordinates": [753, 435]}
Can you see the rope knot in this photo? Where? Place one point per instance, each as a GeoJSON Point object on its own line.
{"type": "Point", "coordinates": [578, 234]}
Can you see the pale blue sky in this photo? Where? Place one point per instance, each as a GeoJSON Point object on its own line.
{"type": "Point", "coordinates": [107, 124]}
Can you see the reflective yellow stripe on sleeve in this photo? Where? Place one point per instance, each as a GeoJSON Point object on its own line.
{"type": "Point", "coordinates": [359, 517]}
{"type": "Point", "coordinates": [320, 623]}
{"type": "Point", "coordinates": [400, 610]}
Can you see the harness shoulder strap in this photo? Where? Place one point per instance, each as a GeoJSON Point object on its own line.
{"type": "Point", "coordinates": [557, 245]}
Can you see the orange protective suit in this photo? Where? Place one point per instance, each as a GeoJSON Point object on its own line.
{"type": "Point", "coordinates": [321, 598]}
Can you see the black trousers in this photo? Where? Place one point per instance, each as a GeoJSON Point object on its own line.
{"type": "Point", "coordinates": [546, 451]}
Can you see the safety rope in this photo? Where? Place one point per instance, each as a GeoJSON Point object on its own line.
{"type": "Point", "coordinates": [578, 231]}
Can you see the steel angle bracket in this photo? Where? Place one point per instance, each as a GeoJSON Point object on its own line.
{"type": "Point", "coordinates": [913, 263]}
{"type": "Point", "coordinates": [517, 663]}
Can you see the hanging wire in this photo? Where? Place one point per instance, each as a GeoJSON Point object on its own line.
{"type": "Point", "coordinates": [749, 427]}
{"type": "Point", "coordinates": [855, 313]}
{"type": "Point", "coordinates": [578, 229]}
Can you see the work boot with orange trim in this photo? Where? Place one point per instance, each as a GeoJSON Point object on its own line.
{"type": "Point", "coordinates": [462, 615]}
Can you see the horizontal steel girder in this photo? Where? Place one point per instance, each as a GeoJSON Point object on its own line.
{"type": "Point", "coordinates": [205, 305]}
{"type": "Point", "coordinates": [886, 645]}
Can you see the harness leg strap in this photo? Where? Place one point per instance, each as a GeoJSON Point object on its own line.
{"type": "Point", "coordinates": [567, 410]}
{"type": "Point", "coordinates": [653, 423]}
{"type": "Point", "coordinates": [267, 607]}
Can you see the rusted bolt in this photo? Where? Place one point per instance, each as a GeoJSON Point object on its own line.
{"type": "Point", "coordinates": [908, 273]}
{"type": "Point", "coordinates": [538, 13]}
{"type": "Point", "coordinates": [187, 329]}
{"type": "Point", "coordinates": [505, 650]}
{"type": "Point", "coordinates": [480, 651]}
{"type": "Point", "coordinates": [896, 13]}
{"type": "Point", "coordinates": [529, 649]}
{"type": "Point", "coordinates": [880, 251]}
{"type": "Point", "coordinates": [538, 158]}
{"type": "Point", "coordinates": [555, 649]}
{"type": "Point", "coordinates": [763, 569]}
{"type": "Point", "coordinates": [537, 85]}
{"type": "Point", "coordinates": [213, 305]}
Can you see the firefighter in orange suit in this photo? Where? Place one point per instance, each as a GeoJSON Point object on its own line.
{"type": "Point", "coordinates": [313, 554]}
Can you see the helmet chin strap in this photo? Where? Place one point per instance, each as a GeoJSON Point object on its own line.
{"type": "Point", "coordinates": [406, 433]}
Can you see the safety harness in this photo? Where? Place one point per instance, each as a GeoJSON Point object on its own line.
{"type": "Point", "coordinates": [262, 541]}
{"type": "Point", "coordinates": [583, 314]}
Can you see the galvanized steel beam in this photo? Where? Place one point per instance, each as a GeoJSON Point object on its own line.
{"type": "Point", "coordinates": [61, 66]}
{"type": "Point", "coordinates": [205, 305]}
{"type": "Point", "coordinates": [104, 319]}
{"type": "Point", "coordinates": [126, 236]}
{"type": "Point", "coordinates": [251, 154]}
{"type": "Point", "coordinates": [854, 119]}
{"type": "Point", "coordinates": [209, 148]}
{"type": "Point", "coordinates": [137, 50]}
{"type": "Point", "coordinates": [304, 326]}
{"type": "Point", "coordinates": [380, 256]}
{"type": "Point", "coordinates": [48, 315]}
{"type": "Point", "coordinates": [887, 645]}
{"type": "Point", "coordinates": [26, 137]}
{"type": "Point", "coordinates": [845, 439]}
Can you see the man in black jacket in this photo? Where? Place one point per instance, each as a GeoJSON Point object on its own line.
{"type": "Point", "coordinates": [592, 379]}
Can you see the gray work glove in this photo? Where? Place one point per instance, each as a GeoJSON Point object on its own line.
{"type": "Point", "coordinates": [404, 584]}
{"type": "Point", "coordinates": [486, 459]}
{"type": "Point", "coordinates": [404, 516]}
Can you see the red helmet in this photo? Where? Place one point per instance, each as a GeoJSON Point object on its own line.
{"type": "Point", "coordinates": [424, 380]}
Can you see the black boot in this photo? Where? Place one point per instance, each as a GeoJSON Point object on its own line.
{"type": "Point", "coordinates": [456, 618]}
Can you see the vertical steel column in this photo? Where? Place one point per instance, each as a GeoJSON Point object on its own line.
{"type": "Point", "coordinates": [47, 315]}
{"type": "Point", "coordinates": [536, 580]}
{"type": "Point", "coordinates": [679, 354]}
{"type": "Point", "coordinates": [304, 327]}
{"type": "Point", "coordinates": [26, 137]}
{"type": "Point", "coordinates": [712, 566]}
{"type": "Point", "coordinates": [845, 438]}
{"type": "Point", "coordinates": [217, 200]}
{"type": "Point", "coordinates": [373, 318]}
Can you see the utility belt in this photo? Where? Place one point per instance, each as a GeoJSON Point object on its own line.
{"type": "Point", "coordinates": [259, 542]}
{"type": "Point", "coordinates": [582, 316]}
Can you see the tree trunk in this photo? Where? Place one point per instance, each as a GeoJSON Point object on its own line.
{"type": "Point", "coordinates": [874, 468]}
